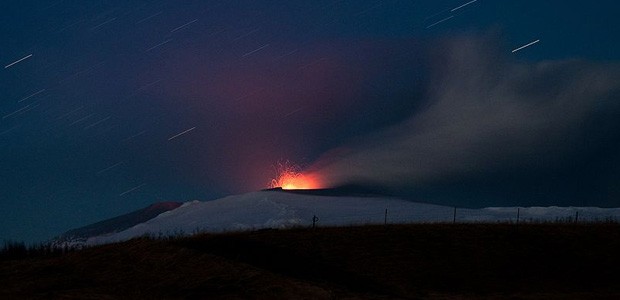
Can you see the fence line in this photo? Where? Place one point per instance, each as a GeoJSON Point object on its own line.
{"type": "Point", "coordinates": [471, 216]}
{"type": "Point", "coordinates": [457, 216]}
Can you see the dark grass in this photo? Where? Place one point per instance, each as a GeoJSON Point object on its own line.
{"type": "Point", "coordinates": [538, 261]}
{"type": "Point", "coordinates": [19, 250]}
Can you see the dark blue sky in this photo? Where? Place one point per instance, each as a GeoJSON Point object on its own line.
{"type": "Point", "coordinates": [90, 116]}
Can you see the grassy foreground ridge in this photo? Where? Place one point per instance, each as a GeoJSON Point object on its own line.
{"type": "Point", "coordinates": [534, 261]}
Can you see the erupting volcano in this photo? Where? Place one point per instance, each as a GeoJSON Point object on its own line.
{"type": "Point", "coordinates": [290, 177]}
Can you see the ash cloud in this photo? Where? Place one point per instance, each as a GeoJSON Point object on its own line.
{"type": "Point", "coordinates": [489, 118]}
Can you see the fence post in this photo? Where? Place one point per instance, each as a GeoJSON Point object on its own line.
{"type": "Point", "coordinates": [385, 218]}
{"type": "Point", "coordinates": [314, 219]}
{"type": "Point", "coordinates": [518, 211]}
{"type": "Point", "coordinates": [454, 216]}
{"type": "Point", "coordinates": [576, 216]}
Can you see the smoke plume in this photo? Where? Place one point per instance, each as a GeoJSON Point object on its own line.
{"type": "Point", "coordinates": [484, 113]}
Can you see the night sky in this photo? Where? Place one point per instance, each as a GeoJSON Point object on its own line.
{"type": "Point", "coordinates": [109, 106]}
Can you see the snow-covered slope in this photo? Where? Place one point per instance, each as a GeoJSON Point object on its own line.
{"type": "Point", "coordinates": [277, 209]}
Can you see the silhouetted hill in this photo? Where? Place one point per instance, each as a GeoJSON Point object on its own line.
{"type": "Point", "coordinates": [437, 261]}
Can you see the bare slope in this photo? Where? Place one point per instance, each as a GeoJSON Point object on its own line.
{"type": "Point", "coordinates": [548, 261]}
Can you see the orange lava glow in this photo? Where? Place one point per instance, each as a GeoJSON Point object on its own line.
{"type": "Point", "coordinates": [289, 178]}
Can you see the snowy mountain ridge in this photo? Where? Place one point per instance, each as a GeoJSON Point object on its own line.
{"type": "Point", "coordinates": [277, 209]}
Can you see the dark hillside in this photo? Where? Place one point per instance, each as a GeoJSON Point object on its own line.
{"type": "Point", "coordinates": [541, 261]}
